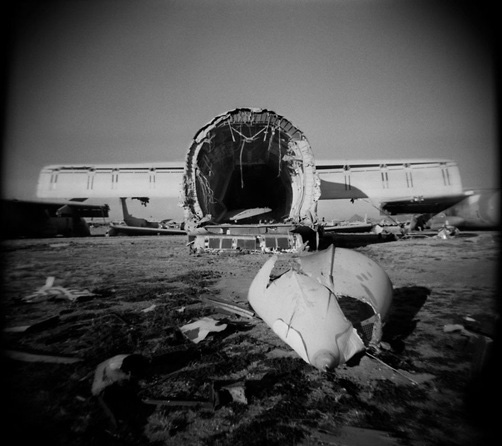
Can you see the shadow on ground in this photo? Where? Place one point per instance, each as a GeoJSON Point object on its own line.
{"type": "Point", "coordinates": [401, 321]}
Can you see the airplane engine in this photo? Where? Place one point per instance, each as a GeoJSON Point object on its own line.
{"type": "Point", "coordinates": [250, 164]}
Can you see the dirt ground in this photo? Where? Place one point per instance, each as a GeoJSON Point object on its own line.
{"type": "Point", "coordinates": [420, 389]}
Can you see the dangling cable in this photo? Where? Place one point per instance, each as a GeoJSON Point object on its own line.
{"type": "Point", "coordinates": [280, 152]}
{"type": "Point", "coordinates": [240, 162]}
{"type": "Point", "coordinates": [270, 140]}
{"type": "Point", "coordinates": [231, 132]}
{"type": "Point", "coordinates": [252, 137]}
{"type": "Point", "coordinates": [266, 131]}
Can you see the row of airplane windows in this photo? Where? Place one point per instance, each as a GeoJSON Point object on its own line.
{"type": "Point", "coordinates": [408, 176]}
{"type": "Point", "coordinates": [152, 178]}
{"type": "Point", "coordinates": [334, 168]}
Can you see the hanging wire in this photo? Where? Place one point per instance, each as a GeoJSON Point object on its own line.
{"type": "Point", "coordinates": [231, 132]}
{"type": "Point", "coordinates": [207, 192]}
{"type": "Point", "coordinates": [270, 140]}
{"type": "Point", "coordinates": [249, 138]}
{"type": "Point", "coordinates": [280, 152]}
{"type": "Point", "coordinates": [266, 131]}
{"type": "Point", "coordinates": [240, 163]}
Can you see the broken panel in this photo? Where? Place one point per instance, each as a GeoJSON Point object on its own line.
{"type": "Point", "coordinates": [328, 307]}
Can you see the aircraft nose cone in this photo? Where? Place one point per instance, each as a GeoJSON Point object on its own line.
{"type": "Point", "coordinates": [324, 360]}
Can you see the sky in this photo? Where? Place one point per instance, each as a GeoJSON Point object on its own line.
{"type": "Point", "coordinates": [129, 81]}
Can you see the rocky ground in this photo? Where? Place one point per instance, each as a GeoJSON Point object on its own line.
{"type": "Point", "coordinates": [422, 388]}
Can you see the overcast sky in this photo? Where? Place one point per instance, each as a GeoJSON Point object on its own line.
{"type": "Point", "coordinates": [133, 81]}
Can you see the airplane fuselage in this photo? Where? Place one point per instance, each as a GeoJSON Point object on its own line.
{"type": "Point", "coordinates": [249, 159]}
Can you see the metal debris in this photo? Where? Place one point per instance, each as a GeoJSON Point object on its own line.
{"type": "Point", "coordinates": [303, 306]}
{"type": "Point", "coordinates": [118, 369]}
{"type": "Point", "coordinates": [197, 331]}
{"type": "Point", "coordinates": [35, 357]}
{"type": "Point", "coordinates": [114, 386]}
{"type": "Point", "coordinates": [229, 307]}
{"type": "Point", "coordinates": [51, 292]}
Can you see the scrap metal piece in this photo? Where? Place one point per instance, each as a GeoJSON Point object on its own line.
{"type": "Point", "coordinates": [346, 272]}
{"type": "Point", "coordinates": [303, 306]}
{"type": "Point", "coordinates": [223, 392]}
{"type": "Point", "coordinates": [117, 370]}
{"type": "Point", "coordinates": [51, 292]}
{"type": "Point", "coordinates": [228, 306]}
{"type": "Point", "coordinates": [34, 357]}
{"type": "Point", "coordinates": [115, 388]}
{"type": "Point", "coordinates": [197, 331]}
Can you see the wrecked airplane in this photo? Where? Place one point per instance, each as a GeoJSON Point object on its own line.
{"type": "Point", "coordinates": [252, 166]}
{"type": "Point", "coordinates": [250, 179]}
{"type": "Point", "coordinates": [268, 166]}
{"type": "Point", "coordinates": [328, 308]}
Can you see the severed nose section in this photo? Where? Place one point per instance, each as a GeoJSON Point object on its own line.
{"type": "Point", "coordinates": [328, 308]}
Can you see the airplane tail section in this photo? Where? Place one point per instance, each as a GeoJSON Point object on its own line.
{"type": "Point", "coordinates": [129, 220]}
{"type": "Point", "coordinates": [125, 211]}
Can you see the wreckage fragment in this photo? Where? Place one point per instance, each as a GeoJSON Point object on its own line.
{"type": "Point", "coordinates": [118, 370]}
{"type": "Point", "coordinates": [34, 357]}
{"type": "Point", "coordinates": [197, 331]}
{"type": "Point", "coordinates": [249, 164]}
{"type": "Point", "coordinates": [349, 273]}
{"type": "Point", "coordinates": [303, 306]}
{"type": "Point", "coordinates": [114, 386]}
{"type": "Point", "coordinates": [51, 292]}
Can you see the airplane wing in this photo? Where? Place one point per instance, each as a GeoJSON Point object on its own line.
{"type": "Point", "coordinates": [349, 228]}
{"type": "Point", "coordinates": [134, 230]}
{"type": "Point", "coordinates": [26, 218]}
{"type": "Point", "coordinates": [421, 205]}
{"type": "Point", "coordinates": [54, 208]}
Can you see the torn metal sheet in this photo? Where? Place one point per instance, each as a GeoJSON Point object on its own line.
{"type": "Point", "coordinates": [35, 357]}
{"type": "Point", "coordinates": [197, 331]}
{"type": "Point", "coordinates": [328, 308]}
{"type": "Point", "coordinates": [228, 306]}
{"type": "Point", "coordinates": [226, 392]}
{"type": "Point", "coordinates": [51, 292]}
{"type": "Point", "coordinates": [348, 273]}
{"type": "Point", "coordinates": [447, 232]}
{"type": "Point", "coordinates": [117, 370]}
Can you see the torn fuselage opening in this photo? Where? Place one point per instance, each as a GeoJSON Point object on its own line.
{"type": "Point", "coordinates": [250, 174]}
{"type": "Point", "coordinates": [327, 307]}
{"type": "Point", "coordinates": [363, 318]}
{"type": "Point", "coordinates": [249, 159]}
{"type": "Point", "coordinates": [362, 288]}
